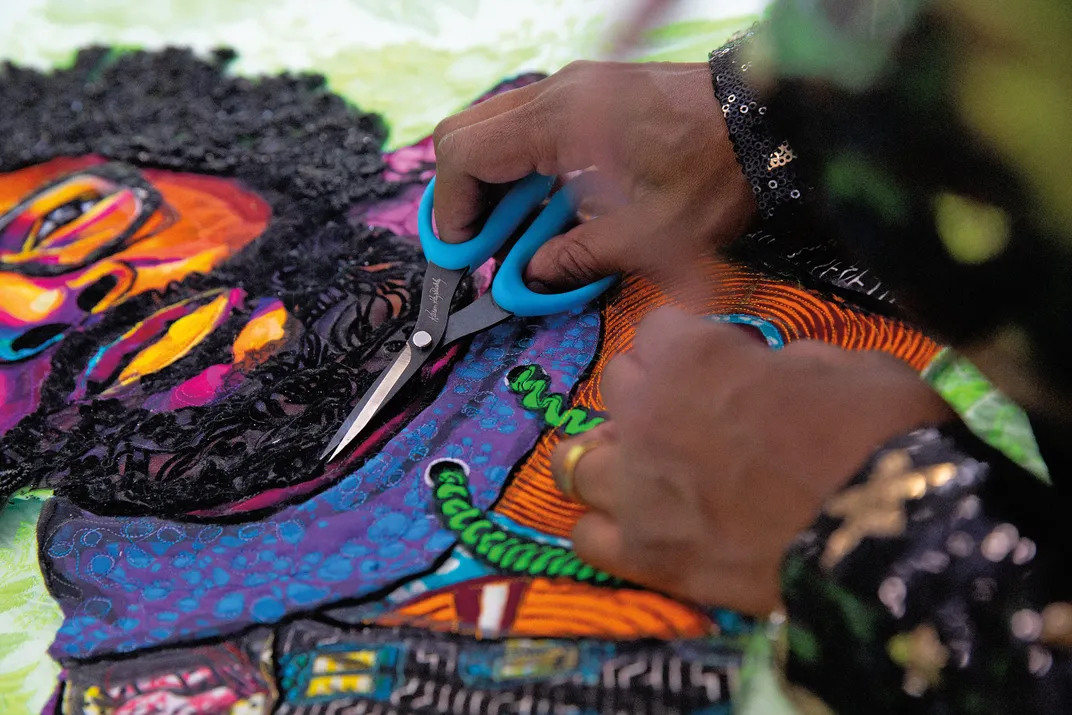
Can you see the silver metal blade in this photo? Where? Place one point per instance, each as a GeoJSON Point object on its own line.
{"type": "Point", "coordinates": [437, 292]}
{"type": "Point", "coordinates": [370, 404]}
{"type": "Point", "coordinates": [479, 315]}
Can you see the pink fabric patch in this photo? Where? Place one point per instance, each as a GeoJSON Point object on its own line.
{"type": "Point", "coordinates": [399, 214]}
{"type": "Point", "coordinates": [195, 392]}
{"type": "Point", "coordinates": [404, 161]}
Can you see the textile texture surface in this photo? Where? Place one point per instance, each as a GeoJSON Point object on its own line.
{"type": "Point", "coordinates": [201, 272]}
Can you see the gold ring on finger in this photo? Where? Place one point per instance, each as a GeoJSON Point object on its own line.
{"type": "Point", "coordinates": [569, 467]}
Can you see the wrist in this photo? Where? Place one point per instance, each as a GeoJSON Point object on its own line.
{"type": "Point", "coordinates": [885, 400]}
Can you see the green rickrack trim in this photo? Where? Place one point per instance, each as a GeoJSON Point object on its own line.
{"type": "Point", "coordinates": [508, 552]}
{"type": "Point", "coordinates": [531, 382]}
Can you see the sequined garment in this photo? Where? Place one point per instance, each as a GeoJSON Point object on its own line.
{"type": "Point", "coordinates": [936, 575]}
{"type": "Point", "coordinates": [936, 581]}
{"type": "Point", "coordinates": [787, 241]}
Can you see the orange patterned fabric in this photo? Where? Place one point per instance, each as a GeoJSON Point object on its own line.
{"type": "Point", "coordinates": [532, 498]}
{"type": "Point", "coordinates": [560, 608]}
{"type": "Point", "coordinates": [564, 608]}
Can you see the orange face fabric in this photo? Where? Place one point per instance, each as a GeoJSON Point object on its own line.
{"type": "Point", "coordinates": [70, 222]}
{"type": "Point", "coordinates": [77, 241]}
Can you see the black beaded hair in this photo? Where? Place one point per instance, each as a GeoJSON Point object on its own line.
{"type": "Point", "coordinates": [311, 156]}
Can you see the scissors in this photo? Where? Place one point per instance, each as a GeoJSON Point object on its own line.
{"type": "Point", "coordinates": [448, 264]}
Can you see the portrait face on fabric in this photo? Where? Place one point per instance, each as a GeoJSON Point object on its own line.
{"type": "Point", "coordinates": [80, 236]}
{"type": "Point", "coordinates": [200, 552]}
{"type": "Point", "coordinates": [459, 507]}
{"type": "Point", "coordinates": [186, 312]}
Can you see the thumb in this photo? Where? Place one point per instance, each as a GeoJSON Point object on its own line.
{"type": "Point", "coordinates": [588, 252]}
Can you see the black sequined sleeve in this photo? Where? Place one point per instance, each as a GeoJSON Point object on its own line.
{"type": "Point", "coordinates": [934, 583]}
{"type": "Point", "coordinates": [762, 148]}
{"type": "Point", "coordinates": [787, 240]}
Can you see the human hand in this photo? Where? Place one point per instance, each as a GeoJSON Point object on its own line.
{"type": "Point", "coordinates": [720, 451]}
{"type": "Point", "coordinates": [666, 185]}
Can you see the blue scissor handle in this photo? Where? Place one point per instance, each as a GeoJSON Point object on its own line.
{"type": "Point", "coordinates": [505, 218]}
{"type": "Point", "coordinates": [509, 289]}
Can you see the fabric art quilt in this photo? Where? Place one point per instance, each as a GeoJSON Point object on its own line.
{"type": "Point", "coordinates": [200, 274]}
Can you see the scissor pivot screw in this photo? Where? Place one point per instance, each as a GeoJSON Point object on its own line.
{"type": "Point", "coordinates": [422, 339]}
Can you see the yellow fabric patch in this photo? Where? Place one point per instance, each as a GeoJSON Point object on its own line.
{"type": "Point", "coordinates": [259, 333]}
{"type": "Point", "coordinates": [182, 336]}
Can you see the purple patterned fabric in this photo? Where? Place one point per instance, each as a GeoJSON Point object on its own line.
{"type": "Point", "coordinates": [130, 582]}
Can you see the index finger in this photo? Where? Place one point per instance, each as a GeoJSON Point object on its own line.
{"type": "Point", "coordinates": [552, 130]}
{"type": "Point", "coordinates": [490, 107]}
{"type": "Point", "coordinates": [458, 201]}
{"type": "Point", "coordinates": [497, 150]}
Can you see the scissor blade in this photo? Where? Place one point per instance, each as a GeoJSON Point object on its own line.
{"type": "Point", "coordinates": [479, 315]}
{"type": "Point", "coordinates": [437, 292]}
{"type": "Point", "coordinates": [375, 398]}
